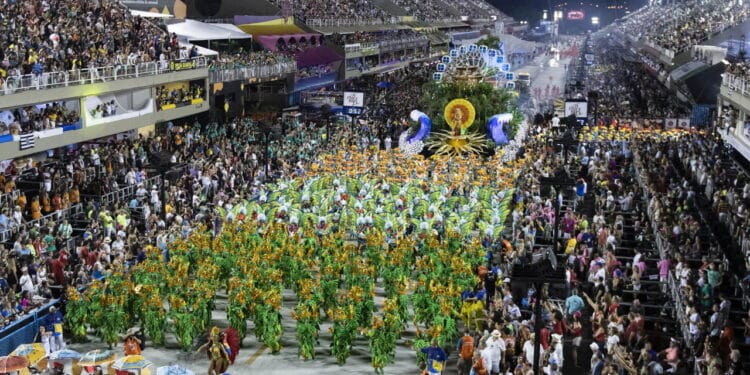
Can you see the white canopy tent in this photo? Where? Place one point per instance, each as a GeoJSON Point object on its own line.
{"type": "Point", "coordinates": [144, 14]}
{"type": "Point", "coordinates": [191, 30]}
{"type": "Point", "coordinates": [203, 51]}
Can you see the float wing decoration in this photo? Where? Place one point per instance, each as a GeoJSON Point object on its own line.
{"type": "Point", "coordinates": [495, 128]}
{"type": "Point", "coordinates": [412, 144]}
{"type": "Point", "coordinates": [425, 126]}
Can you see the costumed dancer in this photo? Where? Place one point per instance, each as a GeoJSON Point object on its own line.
{"type": "Point", "coordinates": [222, 349]}
{"type": "Point", "coordinates": [132, 344]}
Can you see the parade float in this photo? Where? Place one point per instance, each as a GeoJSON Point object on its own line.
{"type": "Point", "coordinates": [468, 108]}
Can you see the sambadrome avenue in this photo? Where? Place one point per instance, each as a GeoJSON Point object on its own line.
{"type": "Point", "coordinates": [357, 187]}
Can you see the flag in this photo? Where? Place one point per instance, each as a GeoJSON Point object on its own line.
{"type": "Point", "coordinates": [27, 141]}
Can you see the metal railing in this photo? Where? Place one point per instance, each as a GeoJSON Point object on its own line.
{"type": "Point", "coordinates": [233, 72]}
{"type": "Point", "coordinates": [674, 291]}
{"type": "Point", "coordinates": [123, 194]}
{"type": "Point", "coordinates": [679, 308]}
{"type": "Point", "coordinates": [390, 45]}
{"type": "Point", "coordinates": [217, 20]}
{"type": "Point", "coordinates": [25, 329]}
{"type": "Point", "coordinates": [465, 35]}
{"type": "Point", "coordinates": [356, 47]}
{"type": "Point", "coordinates": [69, 212]}
{"type": "Point", "coordinates": [338, 22]}
{"type": "Point", "coordinates": [448, 20]}
{"type": "Point", "coordinates": [736, 83]}
{"type": "Point", "coordinates": [9, 199]}
{"type": "Point", "coordinates": [48, 80]}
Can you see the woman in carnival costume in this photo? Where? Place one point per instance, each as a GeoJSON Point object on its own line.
{"type": "Point", "coordinates": [222, 348]}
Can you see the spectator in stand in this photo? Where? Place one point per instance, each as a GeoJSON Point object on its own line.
{"type": "Point", "coordinates": [38, 118]}
{"type": "Point", "coordinates": [246, 58]}
{"type": "Point", "coordinates": [75, 34]}
{"type": "Point", "coordinates": [340, 9]}
{"type": "Point", "coordinates": [178, 97]}
{"type": "Point", "coordinates": [679, 26]}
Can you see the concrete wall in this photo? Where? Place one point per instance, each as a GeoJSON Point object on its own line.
{"type": "Point", "coordinates": [25, 98]}
{"type": "Point", "coordinates": [10, 150]}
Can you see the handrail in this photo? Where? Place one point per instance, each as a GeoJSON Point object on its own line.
{"type": "Point", "coordinates": [403, 42]}
{"type": "Point", "coordinates": [334, 22]}
{"type": "Point", "coordinates": [71, 211]}
{"type": "Point", "coordinates": [736, 83]}
{"type": "Point", "coordinates": [234, 72]}
{"type": "Point", "coordinates": [356, 47]}
{"type": "Point", "coordinates": [9, 199]}
{"type": "Point", "coordinates": [682, 318]}
{"type": "Point", "coordinates": [23, 330]}
{"type": "Point", "coordinates": [671, 283]}
{"type": "Point", "coordinates": [47, 80]}
{"type": "Point", "coordinates": [124, 193]}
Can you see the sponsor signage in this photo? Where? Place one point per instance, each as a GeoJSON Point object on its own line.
{"type": "Point", "coordinates": [182, 65]}
{"type": "Point", "coordinates": [354, 99]}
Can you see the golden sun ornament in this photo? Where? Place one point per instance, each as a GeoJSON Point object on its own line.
{"type": "Point", "coordinates": [446, 143]}
{"type": "Point", "coordinates": [459, 114]}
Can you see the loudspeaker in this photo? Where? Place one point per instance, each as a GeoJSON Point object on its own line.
{"type": "Point", "coordinates": [208, 8]}
{"type": "Point", "coordinates": [161, 160]}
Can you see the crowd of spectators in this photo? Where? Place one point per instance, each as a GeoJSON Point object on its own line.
{"type": "Point", "coordinates": [365, 10]}
{"type": "Point", "coordinates": [178, 96]}
{"type": "Point", "coordinates": [248, 58]}
{"type": "Point", "coordinates": [339, 9]}
{"type": "Point", "coordinates": [392, 96]}
{"type": "Point", "coordinates": [739, 68]}
{"type": "Point", "coordinates": [376, 37]}
{"type": "Point", "coordinates": [696, 207]}
{"type": "Point", "coordinates": [699, 200]}
{"type": "Point", "coordinates": [475, 9]}
{"type": "Point", "coordinates": [296, 46]}
{"type": "Point", "coordinates": [105, 109]}
{"type": "Point", "coordinates": [604, 247]}
{"type": "Point", "coordinates": [628, 90]}
{"type": "Point", "coordinates": [677, 26]}
{"type": "Point", "coordinates": [313, 71]}
{"type": "Point", "coordinates": [75, 34]}
{"type": "Point", "coordinates": [38, 118]}
{"type": "Point", "coordinates": [355, 37]}
{"type": "Point", "coordinates": [737, 76]}
{"type": "Point", "coordinates": [425, 10]}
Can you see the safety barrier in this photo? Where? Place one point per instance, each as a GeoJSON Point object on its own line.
{"type": "Point", "coordinates": [736, 83]}
{"type": "Point", "coordinates": [338, 22]}
{"type": "Point", "coordinates": [47, 80]}
{"type": "Point", "coordinates": [391, 45]}
{"type": "Point", "coordinates": [25, 329]}
{"type": "Point", "coordinates": [228, 72]}
{"type": "Point", "coordinates": [6, 235]}
{"type": "Point", "coordinates": [9, 199]}
{"type": "Point", "coordinates": [674, 290]}
{"type": "Point", "coordinates": [123, 194]}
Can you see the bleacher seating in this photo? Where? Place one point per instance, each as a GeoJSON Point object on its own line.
{"type": "Point", "coordinates": [679, 25]}
{"type": "Point", "coordinates": [78, 34]}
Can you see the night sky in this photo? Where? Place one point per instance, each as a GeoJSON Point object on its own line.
{"type": "Point", "coordinates": [531, 10]}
